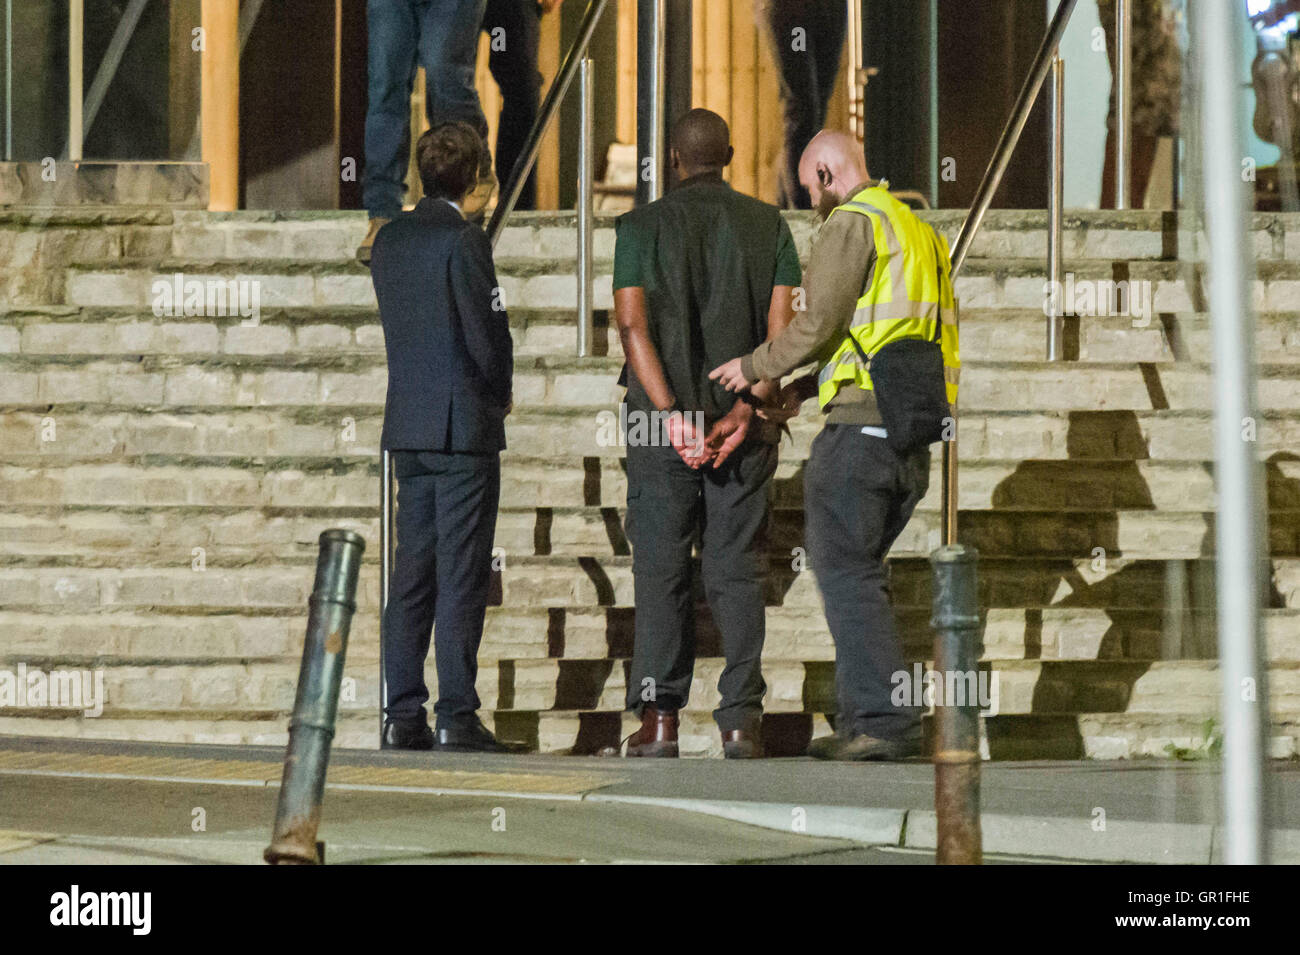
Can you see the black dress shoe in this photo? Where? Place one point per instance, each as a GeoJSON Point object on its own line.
{"type": "Point", "coordinates": [471, 738]}
{"type": "Point", "coordinates": [863, 748]}
{"type": "Point", "coordinates": [407, 734]}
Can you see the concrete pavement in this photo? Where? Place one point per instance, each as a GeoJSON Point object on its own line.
{"type": "Point", "coordinates": [83, 801]}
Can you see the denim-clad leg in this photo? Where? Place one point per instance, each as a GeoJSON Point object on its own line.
{"type": "Point", "coordinates": [393, 27]}
{"type": "Point", "coordinates": [449, 32]}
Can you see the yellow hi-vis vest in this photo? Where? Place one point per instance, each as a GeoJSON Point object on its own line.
{"type": "Point", "coordinates": [909, 294]}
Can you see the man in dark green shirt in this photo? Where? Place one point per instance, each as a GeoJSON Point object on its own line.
{"type": "Point", "coordinates": [701, 276]}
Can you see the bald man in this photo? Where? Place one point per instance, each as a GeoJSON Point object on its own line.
{"type": "Point", "coordinates": [701, 276]}
{"type": "Point", "coordinates": [870, 465]}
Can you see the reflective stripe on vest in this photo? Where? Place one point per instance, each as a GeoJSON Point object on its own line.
{"type": "Point", "coordinates": [909, 295]}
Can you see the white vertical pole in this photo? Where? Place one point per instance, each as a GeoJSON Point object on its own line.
{"type": "Point", "coordinates": [1055, 200]}
{"type": "Point", "coordinates": [658, 125]}
{"type": "Point", "coordinates": [1239, 531]}
{"type": "Point", "coordinates": [1123, 101]}
{"type": "Point", "coordinates": [586, 205]}
{"type": "Point", "coordinates": [386, 510]}
{"type": "Point", "coordinates": [76, 34]}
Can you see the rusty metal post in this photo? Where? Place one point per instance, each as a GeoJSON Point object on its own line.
{"type": "Point", "coordinates": [311, 730]}
{"type": "Point", "coordinates": [956, 624]}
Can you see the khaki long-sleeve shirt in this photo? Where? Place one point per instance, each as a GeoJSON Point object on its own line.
{"type": "Point", "coordinates": [839, 270]}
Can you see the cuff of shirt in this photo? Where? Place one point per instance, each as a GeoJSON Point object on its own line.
{"type": "Point", "coordinates": [747, 369]}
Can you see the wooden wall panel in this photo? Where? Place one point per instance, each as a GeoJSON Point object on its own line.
{"type": "Point", "coordinates": [733, 73]}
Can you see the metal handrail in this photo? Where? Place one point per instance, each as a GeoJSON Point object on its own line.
{"type": "Point", "coordinates": [1011, 133]}
{"type": "Point", "coordinates": [1043, 61]}
{"type": "Point", "coordinates": [550, 106]}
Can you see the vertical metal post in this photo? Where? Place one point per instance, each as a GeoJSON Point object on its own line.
{"type": "Point", "coordinates": [1123, 100]}
{"type": "Point", "coordinates": [1239, 537]}
{"type": "Point", "coordinates": [1055, 200]}
{"type": "Point", "coordinates": [586, 205]}
{"type": "Point", "coordinates": [315, 707]}
{"type": "Point", "coordinates": [386, 540]}
{"type": "Point", "coordinates": [948, 489]}
{"type": "Point", "coordinates": [956, 624]}
{"type": "Point", "coordinates": [857, 92]}
{"type": "Point", "coordinates": [659, 119]}
{"type": "Point", "coordinates": [652, 128]}
{"type": "Point", "coordinates": [9, 80]}
{"type": "Point", "coordinates": [76, 35]}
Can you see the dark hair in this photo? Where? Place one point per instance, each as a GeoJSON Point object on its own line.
{"type": "Point", "coordinates": [449, 156]}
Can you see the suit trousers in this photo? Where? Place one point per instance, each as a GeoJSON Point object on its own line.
{"type": "Point", "coordinates": [446, 519]}
{"type": "Point", "coordinates": [668, 503]}
{"type": "Point", "coordinates": [858, 496]}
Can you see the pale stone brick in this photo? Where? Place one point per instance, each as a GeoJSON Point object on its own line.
{"type": "Point", "coordinates": [584, 389]}
{"type": "Point", "coordinates": [370, 336]}
{"type": "Point", "coordinates": [214, 686]}
{"type": "Point", "coordinates": [324, 337]}
{"type": "Point", "coordinates": [345, 290]}
{"type": "Point", "coordinates": [102, 289]}
{"type": "Point", "coordinates": [255, 242]}
{"type": "Point", "coordinates": [517, 242]}
{"type": "Point", "coordinates": [60, 338]}
{"type": "Point", "coordinates": [176, 338]}
{"type": "Point", "coordinates": [241, 339]}
{"type": "Point", "coordinates": [323, 242]}
{"type": "Point", "coordinates": [199, 242]}
{"type": "Point", "coordinates": [199, 386]}
{"type": "Point", "coordinates": [283, 291]}
{"type": "Point", "coordinates": [19, 387]}
{"type": "Point", "coordinates": [354, 388]}
{"type": "Point", "coordinates": [288, 387]}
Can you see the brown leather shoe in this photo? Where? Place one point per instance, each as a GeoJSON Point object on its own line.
{"type": "Point", "coordinates": [657, 735]}
{"type": "Point", "coordinates": [742, 744]}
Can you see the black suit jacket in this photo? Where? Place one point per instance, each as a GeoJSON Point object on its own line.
{"type": "Point", "coordinates": [450, 355]}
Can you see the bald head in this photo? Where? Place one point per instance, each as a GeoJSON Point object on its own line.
{"type": "Point", "coordinates": [701, 143]}
{"type": "Point", "coordinates": [831, 165]}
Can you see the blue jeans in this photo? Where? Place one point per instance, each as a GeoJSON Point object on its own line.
{"type": "Point", "coordinates": [441, 36]}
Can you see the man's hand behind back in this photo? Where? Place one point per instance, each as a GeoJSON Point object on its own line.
{"type": "Point", "coordinates": [729, 432]}
{"type": "Point", "coordinates": [686, 440]}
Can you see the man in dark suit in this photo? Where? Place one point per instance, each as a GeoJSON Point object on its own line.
{"type": "Point", "coordinates": [450, 361]}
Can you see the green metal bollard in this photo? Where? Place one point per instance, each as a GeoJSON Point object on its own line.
{"type": "Point", "coordinates": [315, 708]}
{"type": "Point", "coordinates": [956, 624]}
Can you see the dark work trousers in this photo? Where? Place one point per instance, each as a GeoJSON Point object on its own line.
{"type": "Point", "coordinates": [446, 519]}
{"type": "Point", "coordinates": [808, 38]}
{"type": "Point", "coordinates": [514, 33]}
{"type": "Point", "coordinates": [858, 496]}
{"type": "Point", "coordinates": [667, 502]}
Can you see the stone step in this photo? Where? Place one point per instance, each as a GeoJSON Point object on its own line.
{"type": "Point", "coordinates": [357, 383]}
{"type": "Point", "coordinates": [1167, 286]}
{"type": "Point", "coordinates": [1004, 687]}
{"type": "Point", "coordinates": [1007, 737]}
{"type": "Point", "coordinates": [987, 334]}
{"type": "Point", "coordinates": [794, 634]}
{"type": "Point", "coordinates": [1125, 735]}
{"type": "Point", "coordinates": [588, 583]}
{"type": "Point", "coordinates": [147, 535]}
{"type": "Point", "coordinates": [79, 433]}
{"type": "Point", "coordinates": [349, 483]}
{"type": "Point", "coordinates": [1003, 233]}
